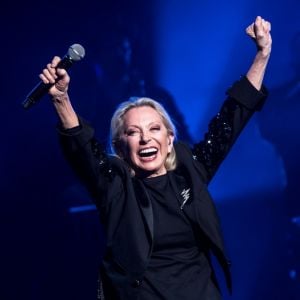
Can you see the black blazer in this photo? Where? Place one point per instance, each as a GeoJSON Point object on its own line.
{"type": "Point", "coordinates": [125, 208]}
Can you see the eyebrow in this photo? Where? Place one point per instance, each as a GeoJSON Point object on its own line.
{"type": "Point", "coordinates": [148, 125]}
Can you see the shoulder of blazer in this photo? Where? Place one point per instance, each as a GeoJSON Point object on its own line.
{"type": "Point", "coordinates": [186, 161]}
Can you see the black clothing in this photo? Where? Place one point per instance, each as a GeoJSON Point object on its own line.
{"type": "Point", "coordinates": [125, 207]}
{"type": "Point", "coordinates": [177, 269]}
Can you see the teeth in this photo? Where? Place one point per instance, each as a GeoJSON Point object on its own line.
{"type": "Point", "coordinates": [148, 150]}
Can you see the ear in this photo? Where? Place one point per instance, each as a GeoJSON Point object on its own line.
{"type": "Point", "coordinates": [170, 142]}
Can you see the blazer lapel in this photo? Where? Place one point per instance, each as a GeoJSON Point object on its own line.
{"type": "Point", "coordinates": [145, 205]}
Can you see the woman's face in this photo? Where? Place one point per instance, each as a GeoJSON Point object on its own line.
{"type": "Point", "coordinates": [145, 142]}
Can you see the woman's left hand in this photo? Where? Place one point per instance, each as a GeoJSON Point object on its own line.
{"type": "Point", "coordinates": [260, 32]}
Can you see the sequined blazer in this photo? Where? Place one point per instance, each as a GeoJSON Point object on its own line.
{"type": "Point", "coordinates": [124, 207]}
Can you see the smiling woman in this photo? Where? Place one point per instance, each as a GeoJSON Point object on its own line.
{"type": "Point", "coordinates": [160, 221]}
{"type": "Point", "coordinates": [142, 133]}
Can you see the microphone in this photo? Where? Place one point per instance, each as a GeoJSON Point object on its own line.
{"type": "Point", "coordinates": [75, 53]}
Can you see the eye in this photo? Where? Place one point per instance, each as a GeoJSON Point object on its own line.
{"type": "Point", "coordinates": [155, 128]}
{"type": "Point", "coordinates": [132, 132]}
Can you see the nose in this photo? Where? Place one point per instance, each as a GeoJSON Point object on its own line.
{"type": "Point", "coordinates": [145, 139]}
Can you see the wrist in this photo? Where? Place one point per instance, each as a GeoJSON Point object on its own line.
{"type": "Point", "coordinates": [60, 98]}
{"type": "Point", "coordinates": [65, 111]}
{"type": "Point", "coordinates": [264, 53]}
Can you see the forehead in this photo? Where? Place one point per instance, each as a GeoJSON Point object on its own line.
{"type": "Point", "coordinates": [141, 115]}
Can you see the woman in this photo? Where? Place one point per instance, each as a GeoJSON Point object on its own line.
{"type": "Point", "coordinates": [160, 222]}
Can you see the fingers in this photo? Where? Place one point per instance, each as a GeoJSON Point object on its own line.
{"type": "Point", "coordinates": [258, 28]}
{"type": "Point", "coordinates": [261, 27]}
{"type": "Point", "coordinates": [260, 32]}
{"type": "Point", "coordinates": [56, 77]}
{"type": "Point", "coordinates": [250, 31]}
{"type": "Point", "coordinates": [50, 73]}
{"type": "Point", "coordinates": [55, 61]}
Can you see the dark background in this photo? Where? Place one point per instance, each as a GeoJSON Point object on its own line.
{"type": "Point", "coordinates": [184, 54]}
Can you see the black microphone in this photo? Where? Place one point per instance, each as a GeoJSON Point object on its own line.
{"type": "Point", "coordinates": [75, 53]}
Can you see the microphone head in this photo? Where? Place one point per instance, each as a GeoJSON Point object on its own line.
{"type": "Point", "coordinates": [76, 52]}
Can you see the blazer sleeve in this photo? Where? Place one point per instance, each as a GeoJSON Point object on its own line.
{"type": "Point", "coordinates": [242, 101]}
{"type": "Point", "coordinates": [88, 158]}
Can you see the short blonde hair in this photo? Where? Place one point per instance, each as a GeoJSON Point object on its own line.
{"type": "Point", "coordinates": [117, 125]}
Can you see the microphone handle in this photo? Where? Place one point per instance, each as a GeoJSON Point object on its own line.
{"type": "Point", "coordinates": [41, 88]}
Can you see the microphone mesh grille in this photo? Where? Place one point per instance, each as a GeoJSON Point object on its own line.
{"type": "Point", "coordinates": [76, 52]}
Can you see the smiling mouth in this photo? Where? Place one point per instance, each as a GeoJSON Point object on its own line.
{"type": "Point", "coordinates": [148, 152]}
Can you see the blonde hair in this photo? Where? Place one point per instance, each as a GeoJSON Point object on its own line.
{"type": "Point", "coordinates": [117, 125]}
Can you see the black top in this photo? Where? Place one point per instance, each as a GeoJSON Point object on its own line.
{"type": "Point", "coordinates": [177, 268]}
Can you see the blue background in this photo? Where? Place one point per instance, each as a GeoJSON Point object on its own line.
{"type": "Point", "coordinates": [185, 54]}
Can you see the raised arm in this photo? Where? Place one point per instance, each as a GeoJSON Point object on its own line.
{"type": "Point", "coordinates": [245, 97]}
{"type": "Point", "coordinates": [86, 156]}
{"type": "Point", "coordinates": [259, 31]}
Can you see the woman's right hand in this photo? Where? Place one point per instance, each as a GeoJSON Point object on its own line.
{"type": "Point", "coordinates": [58, 77]}
{"type": "Point", "coordinates": [59, 92]}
